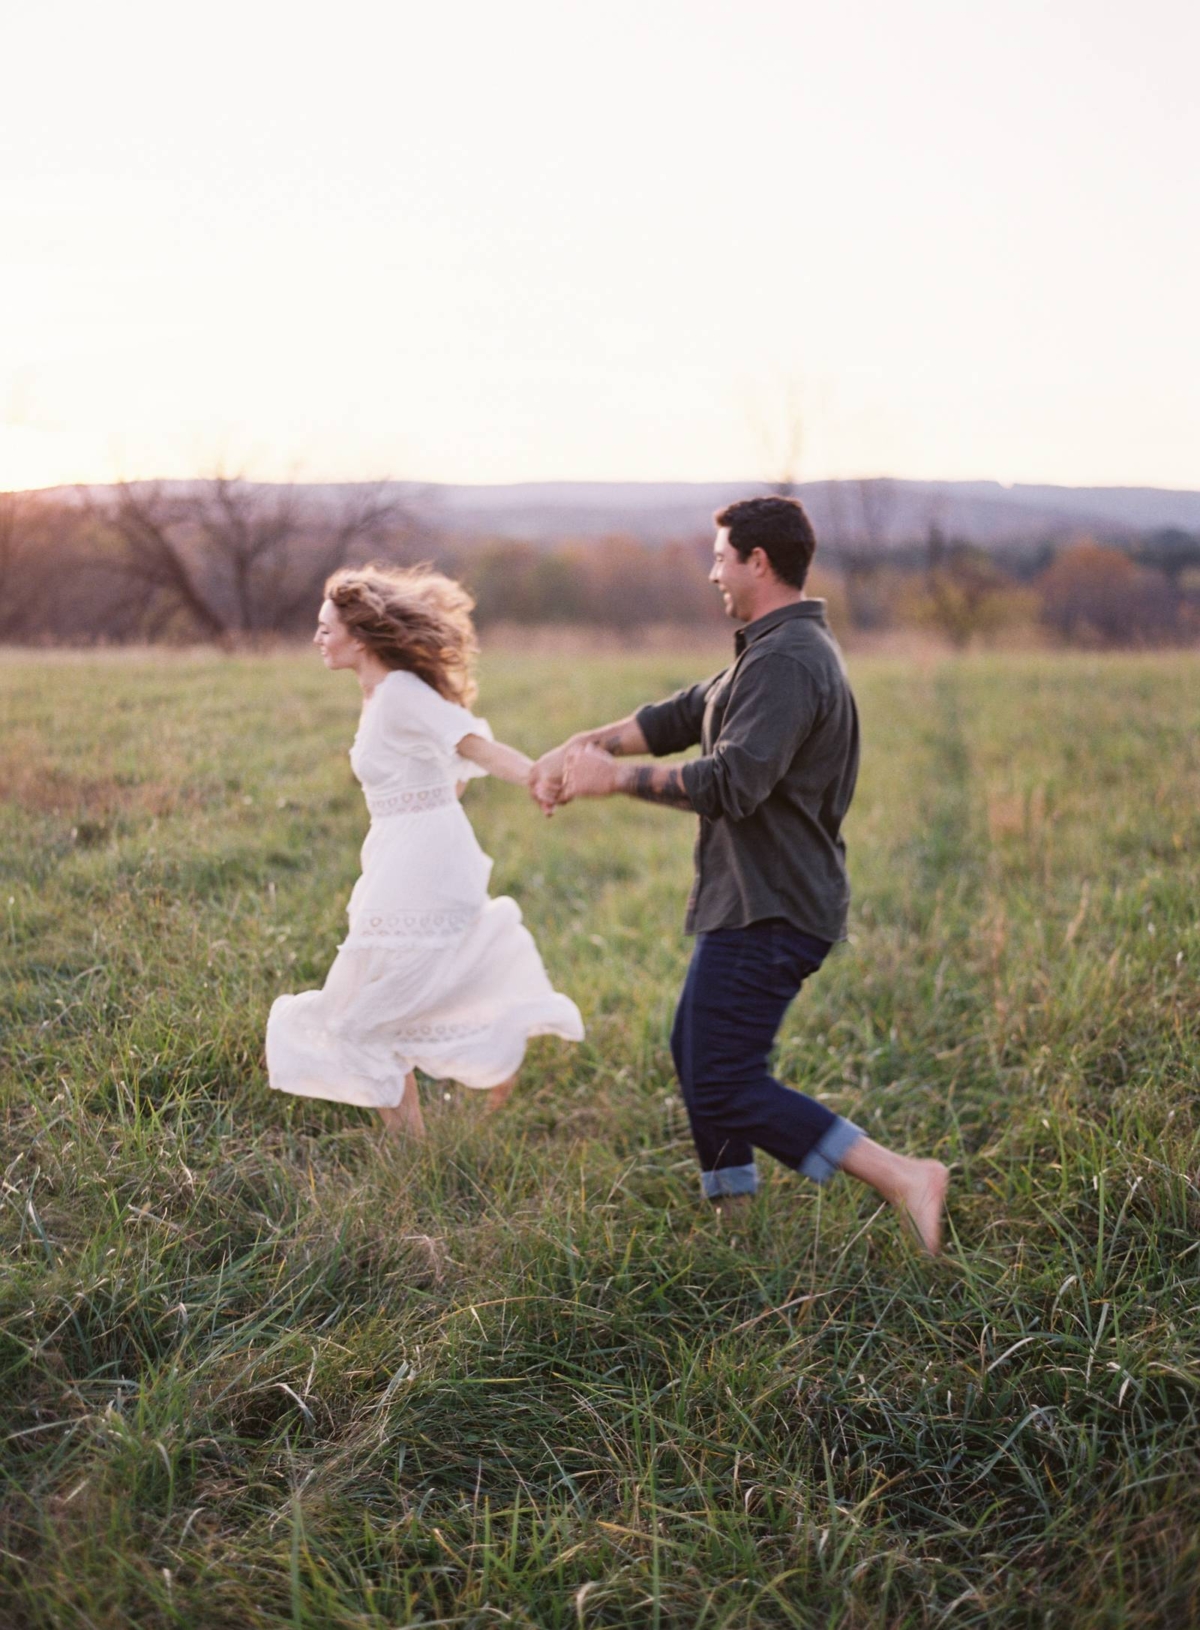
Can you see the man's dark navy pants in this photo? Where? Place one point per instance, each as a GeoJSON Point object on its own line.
{"type": "Point", "coordinates": [738, 988]}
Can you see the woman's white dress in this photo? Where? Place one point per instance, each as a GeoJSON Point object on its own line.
{"type": "Point", "coordinates": [433, 975]}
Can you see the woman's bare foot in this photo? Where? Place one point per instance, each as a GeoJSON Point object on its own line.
{"type": "Point", "coordinates": [405, 1120]}
{"type": "Point", "coordinates": [498, 1096]}
{"type": "Point", "coordinates": [917, 1188]}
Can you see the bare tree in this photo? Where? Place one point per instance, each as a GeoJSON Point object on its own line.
{"type": "Point", "coordinates": [866, 555]}
{"type": "Point", "coordinates": [230, 559]}
{"type": "Point", "coordinates": [877, 500]}
{"type": "Point", "coordinates": [780, 436]}
{"type": "Point", "coordinates": [14, 550]}
{"type": "Point", "coordinates": [36, 534]}
{"type": "Point", "coordinates": [278, 544]}
{"type": "Point", "coordinates": [162, 573]}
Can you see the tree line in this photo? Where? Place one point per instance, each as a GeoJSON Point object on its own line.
{"type": "Point", "coordinates": [233, 562]}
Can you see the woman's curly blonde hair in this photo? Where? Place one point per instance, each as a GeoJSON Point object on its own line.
{"type": "Point", "coordinates": [414, 618]}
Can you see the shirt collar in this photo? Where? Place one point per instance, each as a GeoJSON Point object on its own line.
{"type": "Point", "coordinates": [772, 619]}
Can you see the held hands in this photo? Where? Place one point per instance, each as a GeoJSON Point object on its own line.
{"type": "Point", "coordinates": [546, 779]}
{"type": "Point", "coordinates": [574, 770]}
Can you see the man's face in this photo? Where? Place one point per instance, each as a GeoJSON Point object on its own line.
{"type": "Point", "coordinates": [734, 577]}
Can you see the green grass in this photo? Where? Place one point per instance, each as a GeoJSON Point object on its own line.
{"type": "Point", "coordinates": [261, 1371]}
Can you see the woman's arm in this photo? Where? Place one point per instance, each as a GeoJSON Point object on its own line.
{"type": "Point", "coordinates": [497, 759]}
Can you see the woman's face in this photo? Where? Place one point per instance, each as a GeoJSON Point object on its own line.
{"type": "Point", "coordinates": [337, 645]}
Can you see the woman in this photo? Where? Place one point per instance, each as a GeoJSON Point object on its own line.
{"type": "Point", "coordinates": [433, 975]}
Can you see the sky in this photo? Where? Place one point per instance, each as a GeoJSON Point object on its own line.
{"type": "Point", "coordinates": [644, 240]}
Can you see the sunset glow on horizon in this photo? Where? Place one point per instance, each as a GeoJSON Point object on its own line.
{"type": "Point", "coordinates": [639, 242]}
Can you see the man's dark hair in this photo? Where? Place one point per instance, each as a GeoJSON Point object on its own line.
{"type": "Point", "coordinates": [777, 526]}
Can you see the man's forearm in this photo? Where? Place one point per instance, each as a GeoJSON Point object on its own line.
{"type": "Point", "coordinates": [655, 784]}
{"type": "Point", "coordinates": [621, 738]}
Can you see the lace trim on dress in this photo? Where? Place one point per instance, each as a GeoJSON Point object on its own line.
{"type": "Point", "coordinates": [414, 801]}
{"type": "Point", "coordinates": [440, 1032]}
{"type": "Point", "coordinates": [420, 924]}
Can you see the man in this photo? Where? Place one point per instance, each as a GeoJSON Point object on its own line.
{"type": "Point", "coordinates": [778, 736]}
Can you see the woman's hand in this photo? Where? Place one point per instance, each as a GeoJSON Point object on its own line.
{"type": "Point", "coordinates": [541, 792]}
{"type": "Point", "coordinates": [546, 779]}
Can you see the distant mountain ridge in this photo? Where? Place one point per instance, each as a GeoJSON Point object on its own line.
{"type": "Point", "coordinates": [881, 512]}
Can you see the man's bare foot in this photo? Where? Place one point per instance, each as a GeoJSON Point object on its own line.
{"type": "Point", "coordinates": [732, 1215]}
{"type": "Point", "coordinates": [405, 1119]}
{"type": "Point", "coordinates": [727, 1206]}
{"type": "Point", "coordinates": [923, 1200]}
{"type": "Point", "coordinates": [498, 1096]}
{"type": "Point", "coordinates": [917, 1188]}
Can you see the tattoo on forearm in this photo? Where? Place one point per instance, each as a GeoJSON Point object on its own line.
{"type": "Point", "coordinates": [658, 785]}
{"type": "Point", "coordinates": [611, 743]}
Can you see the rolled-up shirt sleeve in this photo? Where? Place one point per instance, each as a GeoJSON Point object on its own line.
{"type": "Point", "coordinates": [772, 707]}
{"type": "Point", "coordinates": [672, 725]}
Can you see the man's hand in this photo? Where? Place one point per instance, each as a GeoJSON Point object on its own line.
{"type": "Point", "coordinates": [547, 779]}
{"type": "Point", "coordinates": [593, 773]}
{"type": "Point", "coordinates": [590, 772]}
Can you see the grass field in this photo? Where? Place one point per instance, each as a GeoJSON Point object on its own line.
{"type": "Point", "coordinates": [261, 1371]}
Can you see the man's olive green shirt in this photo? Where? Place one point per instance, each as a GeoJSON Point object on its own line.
{"type": "Point", "coordinates": [778, 735]}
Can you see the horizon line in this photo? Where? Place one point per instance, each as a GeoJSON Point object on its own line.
{"type": "Point", "coordinates": [605, 481]}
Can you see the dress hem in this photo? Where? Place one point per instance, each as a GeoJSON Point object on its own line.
{"type": "Point", "coordinates": [478, 1079]}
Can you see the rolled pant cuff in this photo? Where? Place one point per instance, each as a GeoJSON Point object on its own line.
{"type": "Point", "coordinates": [729, 1180]}
{"type": "Point", "coordinates": [825, 1158]}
